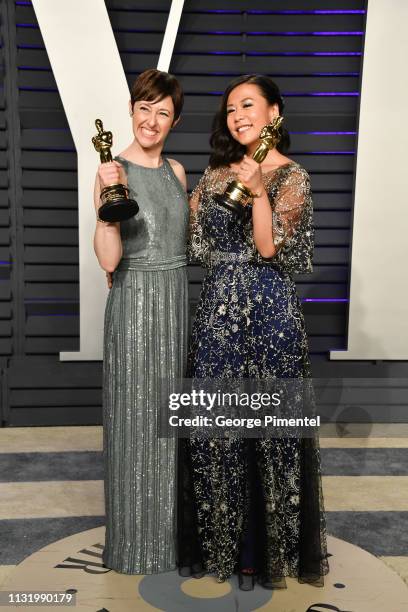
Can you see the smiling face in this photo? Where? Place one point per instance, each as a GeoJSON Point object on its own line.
{"type": "Point", "coordinates": [152, 121]}
{"type": "Point", "coordinates": [248, 112]}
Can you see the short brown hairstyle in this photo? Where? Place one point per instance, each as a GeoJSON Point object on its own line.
{"type": "Point", "coordinates": [155, 85]}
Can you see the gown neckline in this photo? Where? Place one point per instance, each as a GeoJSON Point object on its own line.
{"type": "Point", "coordinates": [129, 161]}
{"type": "Point", "coordinates": [269, 173]}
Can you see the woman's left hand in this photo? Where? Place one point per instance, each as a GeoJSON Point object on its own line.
{"type": "Point", "coordinates": [249, 173]}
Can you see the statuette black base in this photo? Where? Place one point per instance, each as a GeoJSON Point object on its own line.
{"type": "Point", "coordinates": [118, 210]}
{"type": "Point", "coordinates": [235, 207]}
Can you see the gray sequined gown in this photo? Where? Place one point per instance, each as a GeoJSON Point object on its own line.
{"type": "Point", "coordinates": [144, 346]}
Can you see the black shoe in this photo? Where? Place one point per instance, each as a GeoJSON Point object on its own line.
{"type": "Point", "coordinates": [246, 579]}
{"type": "Point", "coordinates": [198, 571]}
{"type": "Point", "coordinates": [192, 571]}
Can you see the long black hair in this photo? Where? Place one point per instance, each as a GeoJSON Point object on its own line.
{"type": "Point", "coordinates": [226, 150]}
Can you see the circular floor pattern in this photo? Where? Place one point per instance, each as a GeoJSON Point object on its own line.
{"type": "Point", "coordinates": [358, 582]}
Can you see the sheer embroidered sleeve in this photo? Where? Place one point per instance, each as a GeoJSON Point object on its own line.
{"type": "Point", "coordinates": [292, 215]}
{"type": "Point", "coordinates": [197, 246]}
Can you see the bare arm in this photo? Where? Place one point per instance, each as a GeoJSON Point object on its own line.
{"type": "Point", "coordinates": [107, 240]}
{"type": "Point", "coordinates": [263, 226]}
{"type": "Point", "coordinates": [179, 172]}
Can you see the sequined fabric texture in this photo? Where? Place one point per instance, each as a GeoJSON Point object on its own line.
{"type": "Point", "coordinates": [145, 339]}
{"type": "Point", "coordinates": [251, 502]}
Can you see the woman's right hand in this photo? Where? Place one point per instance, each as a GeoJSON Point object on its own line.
{"type": "Point", "coordinates": [111, 173]}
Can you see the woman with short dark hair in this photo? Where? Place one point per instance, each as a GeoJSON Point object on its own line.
{"type": "Point", "coordinates": [145, 332]}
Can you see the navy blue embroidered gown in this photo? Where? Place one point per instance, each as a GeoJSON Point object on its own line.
{"type": "Point", "coordinates": [251, 502]}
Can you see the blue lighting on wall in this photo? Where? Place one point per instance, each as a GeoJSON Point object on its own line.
{"type": "Point", "coordinates": [240, 53]}
{"type": "Point", "coordinates": [35, 68]}
{"type": "Point", "coordinates": [212, 53]}
{"type": "Point", "coordinates": [324, 74]}
{"type": "Point", "coordinates": [287, 12]}
{"type": "Point", "coordinates": [342, 300]}
{"type": "Point", "coordinates": [306, 54]}
{"type": "Point", "coordinates": [316, 12]}
{"type": "Point", "coordinates": [338, 33]}
{"type": "Point", "coordinates": [322, 94]}
{"type": "Point", "coordinates": [225, 32]}
{"type": "Point", "coordinates": [39, 47]}
{"type": "Point", "coordinates": [256, 33]}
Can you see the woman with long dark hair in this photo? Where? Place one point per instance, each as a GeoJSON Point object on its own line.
{"type": "Point", "coordinates": [145, 335]}
{"type": "Point", "coordinates": [252, 506]}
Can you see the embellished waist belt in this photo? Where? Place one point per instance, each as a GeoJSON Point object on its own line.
{"type": "Point", "coordinates": [132, 263]}
{"type": "Point", "coordinates": [219, 257]}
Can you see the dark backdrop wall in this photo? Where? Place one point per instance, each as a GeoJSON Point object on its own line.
{"type": "Point", "coordinates": [315, 56]}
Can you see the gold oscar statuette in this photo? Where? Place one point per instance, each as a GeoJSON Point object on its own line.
{"type": "Point", "coordinates": [236, 196]}
{"type": "Point", "coordinates": [115, 202]}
